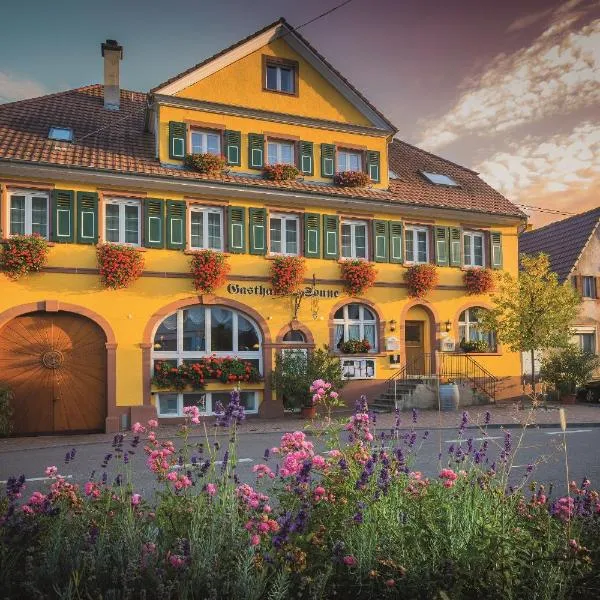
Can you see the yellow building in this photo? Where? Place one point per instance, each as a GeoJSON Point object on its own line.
{"type": "Point", "coordinates": [100, 164]}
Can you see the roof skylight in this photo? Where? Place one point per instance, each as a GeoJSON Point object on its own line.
{"type": "Point", "coordinates": [60, 134]}
{"type": "Point", "coordinates": [439, 179]}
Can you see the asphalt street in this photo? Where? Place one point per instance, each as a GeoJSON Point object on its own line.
{"type": "Point", "coordinates": [542, 448]}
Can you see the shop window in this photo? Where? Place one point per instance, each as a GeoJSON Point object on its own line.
{"type": "Point", "coordinates": [122, 221]}
{"type": "Point", "coordinates": [29, 214]}
{"type": "Point", "coordinates": [469, 329]}
{"type": "Point", "coordinates": [355, 322]}
{"type": "Point", "coordinates": [206, 228]}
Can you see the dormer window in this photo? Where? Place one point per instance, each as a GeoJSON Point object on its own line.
{"type": "Point", "coordinates": [439, 179]}
{"type": "Point", "coordinates": [60, 134]}
{"type": "Point", "coordinates": [280, 75]}
{"type": "Point", "coordinates": [348, 160]}
{"type": "Point", "coordinates": [280, 153]}
{"type": "Point", "coordinates": [206, 142]}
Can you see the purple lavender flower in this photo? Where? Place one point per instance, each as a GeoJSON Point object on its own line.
{"type": "Point", "coordinates": [126, 459]}
{"type": "Point", "coordinates": [398, 420]}
{"type": "Point", "coordinates": [464, 421]}
{"type": "Point", "coordinates": [225, 461]}
{"type": "Point", "coordinates": [488, 417]}
{"type": "Point", "coordinates": [233, 414]}
{"type": "Point", "coordinates": [104, 477]}
{"type": "Point", "coordinates": [361, 405]}
{"type": "Point", "coordinates": [267, 454]}
{"type": "Point", "coordinates": [358, 518]}
{"type": "Point", "coordinates": [507, 442]}
{"type": "Point", "coordinates": [415, 415]}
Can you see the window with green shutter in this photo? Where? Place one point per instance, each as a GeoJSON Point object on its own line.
{"type": "Point", "coordinates": [330, 236]}
{"type": "Point", "coordinates": [176, 224]}
{"type": "Point", "coordinates": [233, 145]}
{"type": "Point", "coordinates": [455, 247]}
{"type": "Point", "coordinates": [237, 229]}
{"type": "Point", "coordinates": [306, 158]}
{"type": "Point", "coordinates": [256, 150]}
{"type": "Point", "coordinates": [327, 160]}
{"type": "Point", "coordinates": [441, 246]}
{"type": "Point", "coordinates": [373, 168]}
{"type": "Point", "coordinates": [258, 230]}
{"type": "Point", "coordinates": [396, 245]}
{"type": "Point", "coordinates": [496, 249]}
{"type": "Point", "coordinates": [177, 135]}
{"type": "Point", "coordinates": [87, 217]}
{"type": "Point", "coordinates": [380, 241]}
{"type": "Point", "coordinates": [312, 235]}
{"type": "Point", "coordinates": [154, 236]}
{"type": "Point", "coordinates": [62, 215]}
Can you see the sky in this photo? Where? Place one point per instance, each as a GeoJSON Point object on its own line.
{"type": "Point", "coordinates": [510, 89]}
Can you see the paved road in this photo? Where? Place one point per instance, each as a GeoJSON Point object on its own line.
{"type": "Point", "coordinates": [538, 446]}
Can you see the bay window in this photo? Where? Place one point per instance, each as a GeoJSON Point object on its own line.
{"type": "Point", "coordinates": [354, 239]}
{"type": "Point", "coordinates": [29, 214]}
{"type": "Point", "coordinates": [284, 234]}
{"type": "Point", "coordinates": [206, 228]}
{"type": "Point", "coordinates": [122, 221]}
{"type": "Point", "coordinates": [473, 249]}
{"type": "Point", "coordinates": [417, 244]}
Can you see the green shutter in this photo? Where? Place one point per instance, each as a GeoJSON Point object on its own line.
{"type": "Point", "coordinates": [87, 218]}
{"type": "Point", "coordinates": [62, 216]}
{"type": "Point", "coordinates": [256, 150]}
{"type": "Point", "coordinates": [396, 242]}
{"type": "Point", "coordinates": [373, 168]}
{"type": "Point", "coordinates": [496, 249]}
{"type": "Point", "coordinates": [327, 160]}
{"type": "Point", "coordinates": [233, 148]}
{"type": "Point", "coordinates": [441, 246]}
{"type": "Point", "coordinates": [176, 238]}
{"type": "Point", "coordinates": [312, 235]}
{"type": "Point", "coordinates": [330, 236]}
{"type": "Point", "coordinates": [177, 135]}
{"type": "Point", "coordinates": [258, 230]}
{"type": "Point", "coordinates": [455, 247]}
{"type": "Point", "coordinates": [380, 241]}
{"type": "Point", "coordinates": [154, 229]}
{"type": "Point", "coordinates": [237, 229]}
{"type": "Point", "coordinates": [306, 158]}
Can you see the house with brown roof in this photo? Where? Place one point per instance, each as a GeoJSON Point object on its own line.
{"type": "Point", "coordinates": [146, 236]}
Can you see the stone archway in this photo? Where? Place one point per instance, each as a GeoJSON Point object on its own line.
{"type": "Point", "coordinates": [419, 336]}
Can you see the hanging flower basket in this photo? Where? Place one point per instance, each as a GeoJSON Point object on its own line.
{"type": "Point", "coordinates": [287, 274]}
{"type": "Point", "coordinates": [280, 172]}
{"type": "Point", "coordinates": [119, 265]}
{"type": "Point", "coordinates": [358, 276]}
{"type": "Point", "coordinates": [421, 279]}
{"type": "Point", "coordinates": [351, 179]}
{"type": "Point", "coordinates": [479, 281]}
{"type": "Point", "coordinates": [208, 163]}
{"type": "Point", "coordinates": [23, 254]}
{"type": "Point", "coordinates": [209, 270]}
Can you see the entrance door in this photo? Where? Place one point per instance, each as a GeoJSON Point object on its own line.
{"type": "Point", "coordinates": [55, 364]}
{"type": "Point", "coordinates": [415, 347]}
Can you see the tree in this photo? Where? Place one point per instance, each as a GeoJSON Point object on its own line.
{"type": "Point", "coordinates": [568, 368]}
{"type": "Point", "coordinates": [532, 312]}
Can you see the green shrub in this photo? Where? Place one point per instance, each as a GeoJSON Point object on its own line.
{"type": "Point", "coordinates": [6, 411]}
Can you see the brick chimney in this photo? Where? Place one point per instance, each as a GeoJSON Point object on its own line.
{"type": "Point", "coordinates": [112, 53]}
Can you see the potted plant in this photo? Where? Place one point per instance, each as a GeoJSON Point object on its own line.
{"type": "Point", "coordinates": [119, 265]}
{"type": "Point", "coordinates": [287, 274]}
{"type": "Point", "coordinates": [210, 164]}
{"type": "Point", "coordinates": [358, 276]}
{"type": "Point", "coordinates": [23, 254]}
{"type": "Point", "coordinates": [474, 346]}
{"type": "Point", "coordinates": [567, 369]}
{"type": "Point", "coordinates": [209, 270]}
{"type": "Point", "coordinates": [280, 172]}
{"type": "Point", "coordinates": [351, 179]}
{"type": "Point", "coordinates": [421, 279]}
{"type": "Point", "coordinates": [355, 346]}
{"type": "Point", "coordinates": [479, 281]}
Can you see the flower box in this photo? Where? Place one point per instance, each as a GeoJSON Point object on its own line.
{"type": "Point", "coordinates": [209, 270]}
{"type": "Point", "coordinates": [421, 279]}
{"type": "Point", "coordinates": [207, 163]}
{"type": "Point", "coordinates": [287, 274]}
{"type": "Point", "coordinates": [119, 265]}
{"type": "Point", "coordinates": [355, 346]}
{"type": "Point", "coordinates": [358, 276]}
{"type": "Point", "coordinates": [280, 172]}
{"type": "Point", "coordinates": [351, 179]}
{"type": "Point", "coordinates": [479, 281]}
{"type": "Point", "coordinates": [23, 254]}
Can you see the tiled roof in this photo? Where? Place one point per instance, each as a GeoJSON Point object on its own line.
{"type": "Point", "coordinates": [116, 141]}
{"type": "Point", "coordinates": [563, 241]}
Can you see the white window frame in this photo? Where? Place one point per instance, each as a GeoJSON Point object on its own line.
{"type": "Point", "coordinates": [471, 258]}
{"type": "Point", "coordinates": [353, 224]}
{"type": "Point", "coordinates": [278, 69]}
{"type": "Point", "coordinates": [345, 153]}
{"type": "Point", "coordinates": [415, 230]}
{"type": "Point", "coordinates": [284, 218]}
{"type": "Point", "coordinates": [592, 283]}
{"type": "Point", "coordinates": [469, 322]}
{"type": "Point", "coordinates": [205, 210]}
{"type": "Point", "coordinates": [358, 368]}
{"type": "Point", "coordinates": [204, 141]}
{"type": "Point", "coordinates": [346, 321]}
{"type": "Point", "coordinates": [208, 399]}
{"type": "Point", "coordinates": [278, 152]}
{"type": "Point", "coordinates": [29, 195]}
{"type": "Point", "coordinates": [578, 334]}
{"type": "Point", "coordinates": [122, 203]}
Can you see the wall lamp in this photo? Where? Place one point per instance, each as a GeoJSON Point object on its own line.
{"type": "Point", "coordinates": [393, 325]}
{"type": "Point", "coordinates": [448, 326]}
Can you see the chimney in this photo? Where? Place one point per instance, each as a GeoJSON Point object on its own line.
{"type": "Point", "coordinates": [112, 53]}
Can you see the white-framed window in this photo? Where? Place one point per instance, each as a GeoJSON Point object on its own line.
{"type": "Point", "coordinates": [585, 338]}
{"type": "Point", "coordinates": [171, 404]}
{"type": "Point", "coordinates": [280, 153]}
{"type": "Point", "coordinates": [473, 253]}
{"type": "Point", "coordinates": [29, 213]}
{"type": "Point", "coordinates": [280, 78]}
{"type": "Point", "coordinates": [417, 244]}
{"type": "Point", "coordinates": [206, 228]}
{"type": "Point", "coordinates": [205, 142]}
{"type": "Point", "coordinates": [284, 234]}
{"type": "Point", "coordinates": [355, 322]}
{"type": "Point", "coordinates": [349, 160]}
{"type": "Point", "coordinates": [292, 339]}
{"type": "Point", "coordinates": [588, 286]}
{"type": "Point", "coordinates": [470, 331]}
{"type": "Point", "coordinates": [122, 221]}
{"type": "Point", "coordinates": [354, 239]}
{"type": "Point", "coordinates": [358, 368]}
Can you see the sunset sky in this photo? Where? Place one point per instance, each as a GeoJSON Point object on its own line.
{"type": "Point", "coordinates": [510, 89]}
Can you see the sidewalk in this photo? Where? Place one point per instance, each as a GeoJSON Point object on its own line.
{"type": "Point", "coordinates": [501, 415]}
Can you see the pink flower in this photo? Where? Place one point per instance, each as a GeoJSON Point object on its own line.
{"type": "Point", "coordinates": [27, 510]}
{"type": "Point", "coordinates": [335, 453]}
{"type": "Point", "coordinates": [149, 548]}
{"type": "Point", "coordinates": [136, 499]}
{"type": "Point", "coordinates": [153, 423]}
{"type": "Point", "coordinates": [138, 428]}
{"type": "Point", "coordinates": [51, 472]}
{"type": "Point", "coordinates": [255, 540]}
{"type": "Point", "coordinates": [369, 436]}
{"type": "Point", "coordinates": [263, 527]}
{"type": "Point", "coordinates": [350, 561]}
{"type": "Point", "coordinates": [177, 561]}
{"type": "Point", "coordinates": [172, 476]}
{"type": "Point", "coordinates": [390, 583]}
{"type": "Point", "coordinates": [333, 394]}
{"type": "Point", "coordinates": [318, 461]}
{"type": "Point", "coordinates": [320, 491]}
{"type": "Point", "coordinates": [211, 489]}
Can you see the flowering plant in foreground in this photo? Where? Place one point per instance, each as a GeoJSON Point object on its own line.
{"type": "Point", "coordinates": [119, 265]}
{"type": "Point", "coordinates": [287, 274]}
{"type": "Point", "coordinates": [358, 276]}
{"type": "Point", "coordinates": [23, 254]}
{"type": "Point", "coordinates": [352, 519]}
{"type": "Point", "coordinates": [209, 270]}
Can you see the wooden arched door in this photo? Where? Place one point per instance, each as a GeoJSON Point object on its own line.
{"type": "Point", "coordinates": [55, 363]}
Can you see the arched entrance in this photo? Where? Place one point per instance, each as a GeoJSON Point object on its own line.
{"type": "Point", "coordinates": [55, 363]}
{"type": "Point", "coordinates": [419, 339]}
